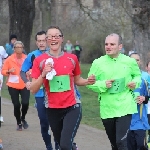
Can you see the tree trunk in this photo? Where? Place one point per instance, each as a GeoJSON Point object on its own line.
{"type": "Point", "coordinates": [141, 28]}
{"type": "Point", "coordinates": [46, 13]}
{"type": "Point", "coordinates": [22, 13]}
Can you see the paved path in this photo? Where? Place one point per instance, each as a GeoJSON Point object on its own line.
{"type": "Point", "coordinates": [87, 138]}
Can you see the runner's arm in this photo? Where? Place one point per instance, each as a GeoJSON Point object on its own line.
{"type": "Point", "coordinates": [23, 76]}
{"type": "Point", "coordinates": [37, 77]}
{"type": "Point", "coordinates": [36, 84]}
{"type": "Point", "coordinates": [82, 82]}
{"type": "Point", "coordinates": [26, 66]}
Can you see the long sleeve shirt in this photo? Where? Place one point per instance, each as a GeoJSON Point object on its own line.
{"type": "Point", "coordinates": [14, 79]}
{"type": "Point", "coordinates": [106, 68]}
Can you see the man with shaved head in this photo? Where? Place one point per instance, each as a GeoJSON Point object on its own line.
{"type": "Point", "coordinates": [117, 75]}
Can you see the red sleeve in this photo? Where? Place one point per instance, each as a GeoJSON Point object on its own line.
{"type": "Point", "coordinates": [36, 72]}
{"type": "Point", "coordinates": [77, 70]}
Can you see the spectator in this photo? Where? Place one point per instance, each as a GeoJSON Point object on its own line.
{"type": "Point", "coordinates": [9, 46]}
{"type": "Point", "coordinates": [78, 50]}
{"type": "Point", "coordinates": [68, 47]}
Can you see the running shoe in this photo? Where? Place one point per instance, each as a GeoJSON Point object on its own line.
{"type": "Point", "coordinates": [24, 124]}
{"type": "Point", "coordinates": [1, 119]}
{"type": "Point", "coordinates": [19, 127]}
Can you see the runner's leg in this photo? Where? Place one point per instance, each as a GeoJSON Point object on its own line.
{"type": "Point", "coordinates": [122, 129]}
{"type": "Point", "coordinates": [71, 123]}
{"type": "Point", "coordinates": [41, 109]}
{"type": "Point", "coordinates": [14, 93]}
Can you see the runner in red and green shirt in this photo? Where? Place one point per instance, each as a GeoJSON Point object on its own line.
{"type": "Point", "coordinates": [64, 108]}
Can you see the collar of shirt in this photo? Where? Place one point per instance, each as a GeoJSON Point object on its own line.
{"type": "Point", "coordinates": [114, 59]}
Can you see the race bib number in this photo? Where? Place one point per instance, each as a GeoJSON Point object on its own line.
{"type": "Point", "coordinates": [77, 48]}
{"type": "Point", "coordinates": [60, 83]}
{"type": "Point", "coordinates": [117, 86]}
{"type": "Point", "coordinates": [13, 78]}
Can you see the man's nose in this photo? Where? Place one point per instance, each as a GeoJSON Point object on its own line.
{"type": "Point", "coordinates": [108, 46]}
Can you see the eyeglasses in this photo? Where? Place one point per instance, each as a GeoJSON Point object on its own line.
{"type": "Point", "coordinates": [55, 36]}
{"type": "Point", "coordinates": [18, 47]}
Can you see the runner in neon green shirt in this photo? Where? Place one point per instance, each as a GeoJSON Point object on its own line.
{"type": "Point", "coordinates": [117, 76]}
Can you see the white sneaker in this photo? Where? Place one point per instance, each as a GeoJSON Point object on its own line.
{"type": "Point", "coordinates": [1, 119]}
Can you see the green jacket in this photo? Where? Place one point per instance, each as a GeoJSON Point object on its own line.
{"type": "Point", "coordinates": [106, 68]}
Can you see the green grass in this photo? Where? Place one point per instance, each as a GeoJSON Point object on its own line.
{"type": "Point", "coordinates": [90, 104]}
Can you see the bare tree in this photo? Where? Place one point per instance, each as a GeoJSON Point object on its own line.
{"type": "Point", "coordinates": [22, 13]}
{"type": "Point", "coordinates": [45, 13]}
{"type": "Point", "coordinates": [109, 16]}
{"type": "Point", "coordinates": [138, 11]}
{"type": "Point", "coordinates": [141, 27]}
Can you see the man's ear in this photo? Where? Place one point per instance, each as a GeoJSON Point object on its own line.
{"type": "Point", "coordinates": [120, 46]}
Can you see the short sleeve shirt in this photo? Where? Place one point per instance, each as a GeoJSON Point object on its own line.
{"type": "Point", "coordinates": [66, 64]}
